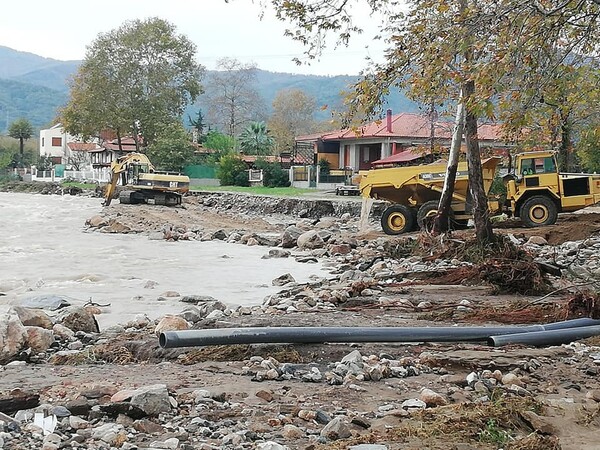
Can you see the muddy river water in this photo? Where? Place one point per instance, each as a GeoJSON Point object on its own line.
{"type": "Point", "coordinates": [45, 249]}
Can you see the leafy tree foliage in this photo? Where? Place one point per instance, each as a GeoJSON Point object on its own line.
{"type": "Point", "coordinates": [22, 130]}
{"type": "Point", "coordinates": [220, 144]}
{"type": "Point", "coordinates": [273, 174]}
{"type": "Point", "coordinates": [198, 127]}
{"type": "Point", "coordinates": [589, 149]}
{"type": "Point", "coordinates": [11, 156]}
{"type": "Point", "coordinates": [172, 148]}
{"type": "Point", "coordinates": [293, 115]}
{"type": "Point", "coordinates": [134, 80]}
{"type": "Point", "coordinates": [256, 140]}
{"type": "Point", "coordinates": [232, 171]}
{"type": "Point", "coordinates": [233, 100]}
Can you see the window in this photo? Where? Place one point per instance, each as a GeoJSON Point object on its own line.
{"type": "Point", "coordinates": [538, 165]}
{"type": "Point", "coordinates": [42, 142]}
{"type": "Point", "coordinates": [56, 142]}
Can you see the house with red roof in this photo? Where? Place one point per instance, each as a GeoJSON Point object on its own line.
{"type": "Point", "coordinates": [404, 137]}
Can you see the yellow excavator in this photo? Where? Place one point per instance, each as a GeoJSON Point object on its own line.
{"type": "Point", "coordinates": [143, 184]}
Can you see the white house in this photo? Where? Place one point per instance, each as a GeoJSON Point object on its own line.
{"type": "Point", "coordinates": [53, 144]}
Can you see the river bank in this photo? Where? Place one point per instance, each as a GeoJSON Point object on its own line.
{"type": "Point", "coordinates": [121, 390]}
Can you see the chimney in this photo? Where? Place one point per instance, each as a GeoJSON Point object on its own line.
{"type": "Point", "coordinates": [388, 117]}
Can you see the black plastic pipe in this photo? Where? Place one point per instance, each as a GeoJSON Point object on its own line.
{"type": "Point", "coordinates": [281, 335]}
{"type": "Point", "coordinates": [547, 337]}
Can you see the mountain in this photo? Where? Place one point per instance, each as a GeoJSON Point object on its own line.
{"type": "Point", "coordinates": [34, 87]}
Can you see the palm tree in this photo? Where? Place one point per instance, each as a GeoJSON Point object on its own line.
{"type": "Point", "coordinates": [255, 139]}
{"type": "Point", "coordinates": [22, 130]}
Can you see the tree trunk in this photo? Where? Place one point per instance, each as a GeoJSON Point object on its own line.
{"type": "Point", "coordinates": [441, 220]}
{"type": "Point", "coordinates": [480, 210]}
{"type": "Point", "coordinates": [564, 163]}
{"type": "Point", "coordinates": [119, 141]}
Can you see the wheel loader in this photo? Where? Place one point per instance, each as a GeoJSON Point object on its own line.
{"type": "Point", "coordinates": [143, 184]}
{"type": "Point", "coordinates": [536, 192]}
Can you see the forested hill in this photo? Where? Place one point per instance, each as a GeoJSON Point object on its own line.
{"type": "Point", "coordinates": [34, 87]}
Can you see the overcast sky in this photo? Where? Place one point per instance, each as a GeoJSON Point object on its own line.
{"type": "Point", "coordinates": [61, 29]}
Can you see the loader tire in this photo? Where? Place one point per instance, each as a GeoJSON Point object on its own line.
{"type": "Point", "coordinates": [398, 219]}
{"type": "Point", "coordinates": [538, 211]}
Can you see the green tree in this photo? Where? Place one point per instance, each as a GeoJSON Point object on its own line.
{"type": "Point", "coordinates": [256, 140]}
{"type": "Point", "coordinates": [588, 149]}
{"type": "Point", "coordinates": [232, 99]}
{"type": "Point", "coordinates": [198, 126]}
{"type": "Point", "coordinates": [133, 80]}
{"type": "Point", "coordinates": [273, 174]}
{"type": "Point", "coordinates": [22, 130]}
{"type": "Point", "coordinates": [220, 145]}
{"type": "Point", "coordinates": [172, 148]}
{"type": "Point", "coordinates": [293, 115]}
{"type": "Point", "coordinates": [232, 171]}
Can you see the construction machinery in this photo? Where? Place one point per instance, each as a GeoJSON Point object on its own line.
{"type": "Point", "coordinates": [143, 184]}
{"type": "Point", "coordinates": [535, 192]}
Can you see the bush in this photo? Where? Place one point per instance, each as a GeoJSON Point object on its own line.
{"type": "Point", "coordinates": [232, 170]}
{"type": "Point", "coordinates": [273, 174]}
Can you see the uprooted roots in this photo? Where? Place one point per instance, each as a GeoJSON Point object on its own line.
{"type": "Point", "coordinates": [508, 268]}
{"type": "Point", "coordinates": [584, 304]}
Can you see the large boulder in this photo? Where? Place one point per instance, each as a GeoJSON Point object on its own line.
{"type": "Point", "coordinates": [13, 337]}
{"type": "Point", "coordinates": [39, 339]}
{"type": "Point", "coordinates": [310, 240]}
{"type": "Point", "coordinates": [33, 317]}
{"type": "Point", "coordinates": [153, 399]}
{"type": "Point", "coordinates": [171, 323]}
{"type": "Point", "coordinates": [77, 318]}
{"type": "Point", "coordinates": [290, 236]}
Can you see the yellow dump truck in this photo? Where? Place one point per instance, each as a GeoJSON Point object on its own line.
{"type": "Point", "coordinates": [536, 192]}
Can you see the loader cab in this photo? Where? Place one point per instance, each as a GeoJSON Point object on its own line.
{"type": "Point", "coordinates": [537, 169]}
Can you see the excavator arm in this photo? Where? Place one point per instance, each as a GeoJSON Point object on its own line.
{"type": "Point", "coordinates": [118, 167]}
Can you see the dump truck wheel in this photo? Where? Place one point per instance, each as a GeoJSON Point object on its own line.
{"type": "Point", "coordinates": [426, 214]}
{"type": "Point", "coordinates": [397, 219]}
{"type": "Point", "coordinates": [538, 211]}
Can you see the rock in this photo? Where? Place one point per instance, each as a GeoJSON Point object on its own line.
{"type": "Point", "coordinates": [33, 317]}
{"type": "Point", "coordinates": [283, 280]}
{"type": "Point", "coordinates": [354, 357]}
{"type": "Point", "coordinates": [148, 427]}
{"type": "Point", "coordinates": [336, 429]}
{"type": "Point", "coordinates": [265, 395]}
{"type": "Point", "coordinates": [13, 337]}
{"type": "Point", "coordinates": [39, 339]}
{"type": "Point", "coordinates": [207, 308]}
{"type": "Point", "coordinates": [220, 235]}
{"type": "Point", "coordinates": [171, 323]}
{"type": "Point", "coordinates": [594, 395]}
{"type": "Point", "coordinates": [77, 318]}
{"type": "Point", "coordinates": [511, 378]}
{"type": "Point", "coordinates": [96, 222]}
{"type": "Point", "coordinates": [171, 443]}
{"type": "Point", "coordinates": [368, 447]}
{"type": "Point", "coordinates": [340, 249]}
{"type": "Point", "coordinates": [413, 403]}
{"type": "Point", "coordinates": [191, 314]}
{"type": "Point", "coordinates": [310, 240]}
{"type": "Point", "coordinates": [432, 398]}
{"type": "Point", "coordinates": [290, 236]}
{"type": "Point", "coordinates": [62, 332]}
{"type": "Point", "coordinates": [307, 415]}
{"type": "Point", "coordinates": [152, 399]}
{"type": "Point", "coordinates": [270, 445]}
{"type": "Point", "coordinates": [108, 433]}
{"type": "Point", "coordinates": [292, 432]}
{"type": "Point", "coordinates": [277, 253]}
{"type": "Point", "coordinates": [195, 299]}
{"type": "Point", "coordinates": [49, 302]}
{"type": "Point", "coordinates": [537, 240]}
{"type": "Point", "coordinates": [537, 423]}
{"type": "Point", "coordinates": [77, 423]}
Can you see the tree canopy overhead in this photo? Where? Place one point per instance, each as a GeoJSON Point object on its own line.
{"type": "Point", "coordinates": [133, 80]}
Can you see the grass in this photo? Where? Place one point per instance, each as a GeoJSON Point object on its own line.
{"type": "Point", "coordinates": [259, 190]}
{"type": "Point", "coordinates": [79, 185]}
